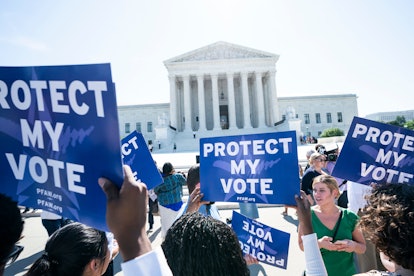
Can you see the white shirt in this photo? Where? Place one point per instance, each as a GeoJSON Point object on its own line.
{"type": "Point", "coordinates": [152, 263]}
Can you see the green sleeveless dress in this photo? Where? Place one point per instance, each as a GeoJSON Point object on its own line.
{"type": "Point", "coordinates": [337, 263]}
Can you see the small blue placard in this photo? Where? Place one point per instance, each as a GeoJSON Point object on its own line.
{"type": "Point", "coordinates": [59, 133]}
{"type": "Point", "coordinates": [257, 168]}
{"type": "Point", "coordinates": [266, 244]}
{"type": "Point", "coordinates": [375, 152]}
{"type": "Point", "coordinates": [136, 154]}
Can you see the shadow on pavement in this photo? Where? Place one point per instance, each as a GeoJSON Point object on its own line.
{"type": "Point", "coordinates": [154, 235]}
{"type": "Point", "coordinates": [20, 265]}
{"type": "Point", "coordinates": [256, 270]}
{"type": "Point", "coordinates": [118, 258]}
{"type": "Point", "coordinates": [291, 220]}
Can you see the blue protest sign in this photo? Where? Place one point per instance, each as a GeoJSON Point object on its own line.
{"type": "Point", "coordinates": [376, 152]}
{"type": "Point", "coordinates": [266, 244]}
{"type": "Point", "coordinates": [136, 154]}
{"type": "Point", "coordinates": [256, 168]}
{"type": "Point", "coordinates": [59, 133]}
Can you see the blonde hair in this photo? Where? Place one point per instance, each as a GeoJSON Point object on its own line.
{"type": "Point", "coordinates": [314, 156]}
{"type": "Point", "coordinates": [330, 181]}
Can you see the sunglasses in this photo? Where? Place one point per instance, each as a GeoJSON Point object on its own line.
{"type": "Point", "coordinates": [12, 257]}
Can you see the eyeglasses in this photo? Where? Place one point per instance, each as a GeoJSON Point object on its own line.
{"type": "Point", "coordinates": [320, 160]}
{"type": "Point", "coordinates": [12, 257]}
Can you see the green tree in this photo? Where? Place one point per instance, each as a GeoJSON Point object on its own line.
{"type": "Point", "coordinates": [409, 125]}
{"type": "Point", "coordinates": [331, 132]}
{"type": "Point", "coordinates": [399, 121]}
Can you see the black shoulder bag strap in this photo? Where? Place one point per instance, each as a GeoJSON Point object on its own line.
{"type": "Point", "coordinates": [337, 226]}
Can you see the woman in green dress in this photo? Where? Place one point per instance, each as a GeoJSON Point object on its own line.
{"type": "Point", "coordinates": [339, 235]}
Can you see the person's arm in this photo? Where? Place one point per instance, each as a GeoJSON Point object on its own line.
{"type": "Point", "coordinates": [359, 241]}
{"type": "Point", "coordinates": [304, 216]}
{"type": "Point", "coordinates": [250, 260]}
{"type": "Point", "coordinates": [126, 214]}
{"type": "Point", "coordinates": [156, 189]}
{"type": "Point", "coordinates": [182, 180]}
{"type": "Point", "coordinates": [357, 244]}
{"type": "Point", "coordinates": [313, 258]}
{"type": "Point", "coordinates": [300, 234]}
{"type": "Point", "coordinates": [194, 201]}
{"type": "Point", "coordinates": [126, 219]}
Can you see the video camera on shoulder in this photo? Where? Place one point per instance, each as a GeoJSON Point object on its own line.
{"type": "Point", "coordinates": [331, 155]}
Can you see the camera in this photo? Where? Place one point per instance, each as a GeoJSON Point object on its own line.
{"type": "Point", "coordinates": [330, 155]}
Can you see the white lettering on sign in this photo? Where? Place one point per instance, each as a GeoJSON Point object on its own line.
{"type": "Point", "coordinates": [38, 170]}
{"type": "Point", "coordinates": [241, 167]}
{"type": "Point", "coordinates": [34, 137]}
{"type": "Point", "coordinates": [125, 150]}
{"type": "Point", "coordinates": [385, 138]}
{"type": "Point", "coordinates": [261, 256]}
{"type": "Point", "coordinates": [379, 174]}
{"type": "Point", "coordinates": [247, 147]}
{"type": "Point", "coordinates": [241, 186]}
{"type": "Point", "coordinates": [257, 231]}
{"type": "Point", "coordinates": [57, 92]}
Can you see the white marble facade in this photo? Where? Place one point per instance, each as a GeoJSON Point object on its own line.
{"type": "Point", "coordinates": [222, 86]}
{"type": "Point", "coordinates": [226, 89]}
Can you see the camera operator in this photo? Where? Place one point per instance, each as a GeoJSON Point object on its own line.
{"type": "Point", "coordinates": [317, 164]}
{"type": "Point", "coordinates": [331, 157]}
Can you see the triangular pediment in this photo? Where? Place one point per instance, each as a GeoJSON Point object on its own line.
{"type": "Point", "coordinates": [219, 51]}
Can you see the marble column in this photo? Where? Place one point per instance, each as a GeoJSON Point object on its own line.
{"type": "Point", "coordinates": [246, 103]}
{"type": "Point", "coordinates": [260, 100]}
{"type": "Point", "coordinates": [273, 95]}
{"type": "Point", "coordinates": [187, 104]}
{"type": "Point", "coordinates": [201, 104]}
{"type": "Point", "coordinates": [216, 104]}
{"type": "Point", "coordinates": [232, 101]}
{"type": "Point", "coordinates": [173, 102]}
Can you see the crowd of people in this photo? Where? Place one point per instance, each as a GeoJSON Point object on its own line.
{"type": "Point", "coordinates": [346, 245]}
{"type": "Point", "coordinates": [197, 242]}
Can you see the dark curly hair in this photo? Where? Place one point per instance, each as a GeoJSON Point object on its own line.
{"type": "Point", "coordinates": [200, 245]}
{"type": "Point", "coordinates": [388, 221]}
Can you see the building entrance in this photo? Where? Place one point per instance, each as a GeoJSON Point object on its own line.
{"type": "Point", "coordinates": [224, 117]}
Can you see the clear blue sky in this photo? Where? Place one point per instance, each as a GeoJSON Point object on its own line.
{"type": "Point", "coordinates": [326, 47]}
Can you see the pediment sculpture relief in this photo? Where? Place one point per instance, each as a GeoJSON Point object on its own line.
{"type": "Point", "coordinates": [222, 52]}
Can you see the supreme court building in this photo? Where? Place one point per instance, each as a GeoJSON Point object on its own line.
{"type": "Point", "coordinates": [227, 89]}
{"type": "Point", "coordinates": [223, 86]}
